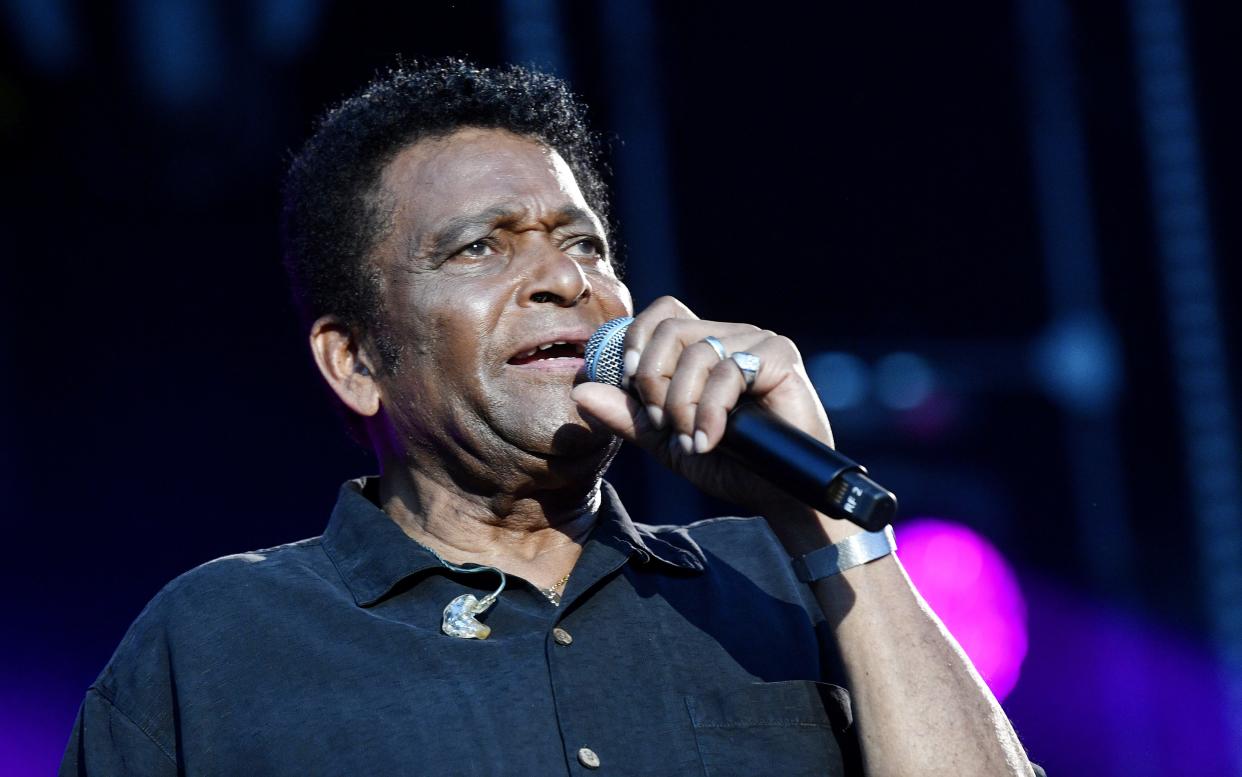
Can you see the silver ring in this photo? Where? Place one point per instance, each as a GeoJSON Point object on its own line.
{"type": "Point", "coordinates": [748, 363]}
{"type": "Point", "coordinates": [717, 346]}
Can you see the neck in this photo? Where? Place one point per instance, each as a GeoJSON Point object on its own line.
{"type": "Point", "coordinates": [536, 535]}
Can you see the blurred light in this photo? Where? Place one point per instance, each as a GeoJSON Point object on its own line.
{"type": "Point", "coordinates": [37, 709]}
{"type": "Point", "coordinates": [904, 381]}
{"type": "Point", "coordinates": [972, 588]}
{"type": "Point", "coordinates": [44, 32]}
{"type": "Point", "coordinates": [840, 378]}
{"type": "Point", "coordinates": [1198, 333]}
{"type": "Point", "coordinates": [935, 417]}
{"type": "Point", "coordinates": [178, 49]}
{"type": "Point", "coordinates": [285, 27]}
{"type": "Point", "coordinates": [1153, 695]}
{"type": "Point", "coordinates": [1078, 363]}
{"type": "Point", "coordinates": [534, 35]}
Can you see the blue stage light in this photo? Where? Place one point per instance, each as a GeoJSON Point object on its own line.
{"type": "Point", "coordinates": [904, 381]}
{"type": "Point", "coordinates": [842, 379]}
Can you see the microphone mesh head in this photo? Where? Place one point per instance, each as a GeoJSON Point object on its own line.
{"type": "Point", "coordinates": [605, 352]}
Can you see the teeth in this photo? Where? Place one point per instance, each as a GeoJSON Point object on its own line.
{"type": "Point", "coordinates": [578, 348]}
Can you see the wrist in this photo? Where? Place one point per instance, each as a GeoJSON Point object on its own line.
{"type": "Point", "coordinates": [854, 551]}
{"type": "Point", "coordinates": [802, 529]}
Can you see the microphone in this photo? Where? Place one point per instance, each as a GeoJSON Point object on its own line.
{"type": "Point", "coordinates": [787, 457]}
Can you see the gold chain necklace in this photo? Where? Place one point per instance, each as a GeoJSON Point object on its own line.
{"type": "Point", "coordinates": [553, 594]}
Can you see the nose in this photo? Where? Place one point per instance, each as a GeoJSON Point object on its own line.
{"type": "Point", "coordinates": [556, 279]}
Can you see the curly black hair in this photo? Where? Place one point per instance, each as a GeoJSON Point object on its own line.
{"type": "Point", "coordinates": [333, 215]}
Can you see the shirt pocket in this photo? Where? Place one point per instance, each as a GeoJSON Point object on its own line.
{"type": "Point", "coordinates": [792, 728]}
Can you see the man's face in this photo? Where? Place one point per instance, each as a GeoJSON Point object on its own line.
{"type": "Point", "coordinates": [492, 252]}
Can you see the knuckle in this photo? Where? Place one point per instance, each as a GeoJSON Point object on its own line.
{"type": "Point", "coordinates": [665, 328]}
{"type": "Point", "coordinates": [675, 393]}
{"type": "Point", "coordinates": [785, 342]}
{"type": "Point", "coordinates": [676, 305]}
{"type": "Point", "coordinates": [700, 351]}
{"type": "Point", "coordinates": [790, 347]}
{"type": "Point", "coordinates": [650, 384]}
{"type": "Point", "coordinates": [724, 368]}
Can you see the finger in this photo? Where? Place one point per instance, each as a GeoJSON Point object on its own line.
{"type": "Point", "coordinates": [686, 385]}
{"type": "Point", "coordinates": [778, 360]}
{"type": "Point", "coordinates": [640, 330]}
{"type": "Point", "coordinates": [620, 412]}
{"type": "Point", "coordinates": [659, 357]}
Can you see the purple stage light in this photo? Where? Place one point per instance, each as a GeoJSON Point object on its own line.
{"type": "Point", "coordinates": [973, 590]}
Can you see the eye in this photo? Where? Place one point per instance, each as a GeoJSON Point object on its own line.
{"type": "Point", "coordinates": [477, 249]}
{"type": "Point", "coordinates": [588, 247]}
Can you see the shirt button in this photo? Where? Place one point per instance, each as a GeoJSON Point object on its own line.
{"type": "Point", "coordinates": [588, 758]}
{"type": "Point", "coordinates": [562, 637]}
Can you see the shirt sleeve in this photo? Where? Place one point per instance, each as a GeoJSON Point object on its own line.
{"type": "Point", "coordinates": [106, 741]}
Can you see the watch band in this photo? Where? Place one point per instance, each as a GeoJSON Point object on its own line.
{"type": "Point", "coordinates": [852, 551]}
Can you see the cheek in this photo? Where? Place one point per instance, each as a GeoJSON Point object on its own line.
{"type": "Point", "coordinates": [458, 323]}
{"type": "Point", "coordinates": [604, 281]}
{"type": "Point", "coordinates": [614, 296]}
{"type": "Point", "coordinates": [433, 306]}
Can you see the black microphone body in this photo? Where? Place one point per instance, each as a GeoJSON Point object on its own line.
{"type": "Point", "coordinates": [805, 468]}
{"type": "Point", "coordinates": [787, 457]}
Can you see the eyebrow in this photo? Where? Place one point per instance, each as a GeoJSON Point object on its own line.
{"type": "Point", "coordinates": [458, 229]}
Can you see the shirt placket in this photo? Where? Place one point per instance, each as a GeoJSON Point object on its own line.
{"type": "Point", "coordinates": [568, 661]}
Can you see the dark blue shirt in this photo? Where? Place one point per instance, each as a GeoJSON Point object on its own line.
{"type": "Point", "coordinates": [677, 650]}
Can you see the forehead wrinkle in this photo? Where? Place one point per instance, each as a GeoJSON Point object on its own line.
{"type": "Point", "coordinates": [457, 229]}
{"type": "Point", "coordinates": [432, 168]}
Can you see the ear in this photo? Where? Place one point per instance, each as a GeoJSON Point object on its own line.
{"type": "Point", "coordinates": [345, 365]}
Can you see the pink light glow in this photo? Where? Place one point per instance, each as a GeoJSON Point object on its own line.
{"type": "Point", "coordinates": [973, 590]}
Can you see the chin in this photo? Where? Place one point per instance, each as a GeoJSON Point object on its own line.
{"type": "Point", "coordinates": [550, 427]}
{"type": "Point", "coordinates": [579, 454]}
{"type": "Point", "coordinates": [562, 435]}
{"type": "Point", "coordinates": [582, 439]}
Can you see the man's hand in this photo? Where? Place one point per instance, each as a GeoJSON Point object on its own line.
{"type": "Point", "coordinates": [920, 706]}
{"type": "Point", "coordinates": [685, 392]}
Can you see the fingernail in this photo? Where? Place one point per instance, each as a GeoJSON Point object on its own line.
{"type": "Point", "coordinates": [687, 446]}
{"type": "Point", "coordinates": [700, 442]}
{"type": "Point", "coordinates": [631, 363]}
{"type": "Point", "coordinates": [656, 414]}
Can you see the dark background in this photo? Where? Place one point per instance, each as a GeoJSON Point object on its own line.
{"type": "Point", "coordinates": [1033, 202]}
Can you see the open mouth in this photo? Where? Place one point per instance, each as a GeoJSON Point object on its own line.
{"type": "Point", "coordinates": [556, 351]}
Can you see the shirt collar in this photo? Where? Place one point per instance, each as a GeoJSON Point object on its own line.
{"type": "Point", "coordinates": [369, 549]}
{"type": "Point", "coordinates": [670, 545]}
{"type": "Point", "coordinates": [373, 554]}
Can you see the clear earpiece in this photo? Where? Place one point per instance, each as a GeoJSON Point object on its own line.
{"type": "Point", "coordinates": [461, 615]}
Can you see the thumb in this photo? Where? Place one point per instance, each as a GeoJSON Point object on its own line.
{"type": "Point", "coordinates": [617, 410]}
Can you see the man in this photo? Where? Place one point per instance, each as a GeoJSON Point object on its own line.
{"type": "Point", "coordinates": [445, 232]}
